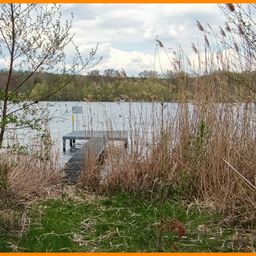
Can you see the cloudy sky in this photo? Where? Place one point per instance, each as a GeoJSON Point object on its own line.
{"type": "Point", "coordinates": [126, 33]}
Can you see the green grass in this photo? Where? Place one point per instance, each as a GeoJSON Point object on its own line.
{"type": "Point", "coordinates": [117, 223]}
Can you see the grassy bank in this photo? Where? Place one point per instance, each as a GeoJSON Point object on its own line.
{"type": "Point", "coordinates": [121, 223]}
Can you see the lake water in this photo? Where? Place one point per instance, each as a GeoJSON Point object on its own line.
{"type": "Point", "coordinates": [106, 116]}
{"type": "Point", "coordinates": [101, 116]}
{"type": "Point", "coordinates": [137, 117]}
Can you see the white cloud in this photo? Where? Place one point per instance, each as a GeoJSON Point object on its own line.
{"type": "Point", "coordinates": [126, 32]}
{"type": "Point", "coordinates": [130, 61]}
{"type": "Point", "coordinates": [3, 63]}
{"type": "Point", "coordinates": [134, 61]}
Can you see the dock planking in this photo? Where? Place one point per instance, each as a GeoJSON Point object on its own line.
{"type": "Point", "coordinates": [94, 147]}
{"type": "Point", "coordinates": [96, 144]}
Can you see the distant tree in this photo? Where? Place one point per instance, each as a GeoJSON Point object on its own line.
{"type": "Point", "coordinates": [111, 73]}
{"type": "Point", "coordinates": [123, 73]}
{"type": "Point", "coordinates": [39, 90]}
{"type": "Point", "coordinates": [108, 72]}
{"type": "Point", "coordinates": [32, 39]}
{"type": "Point", "coordinates": [94, 73]}
{"type": "Point", "coordinates": [169, 74]}
{"type": "Point", "coordinates": [148, 74]}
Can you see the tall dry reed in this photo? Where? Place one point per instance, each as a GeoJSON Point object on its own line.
{"type": "Point", "coordinates": [205, 152]}
{"type": "Point", "coordinates": [31, 173]}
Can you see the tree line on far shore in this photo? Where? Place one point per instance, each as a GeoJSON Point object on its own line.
{"type": "Point", "coordinates": [115, 85]}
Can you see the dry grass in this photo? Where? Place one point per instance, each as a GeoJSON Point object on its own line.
{"type": "Point", "coordinates": [90, 174]}
{"type": "Point", "coordinates": [24, 179]}
{"type": "Point", "coordinates": [29, 178]}
{"type": "Point", "coordinates": [205, 153]}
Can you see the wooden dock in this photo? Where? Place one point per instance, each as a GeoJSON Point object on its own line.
{"type": "Point", "coordinates": [95, 145]}
{"type": "Point", "coordinates": [87, 135]}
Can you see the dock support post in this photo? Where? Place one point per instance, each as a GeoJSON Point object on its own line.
{"type": "Point", "coordinates": [64, 145]}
